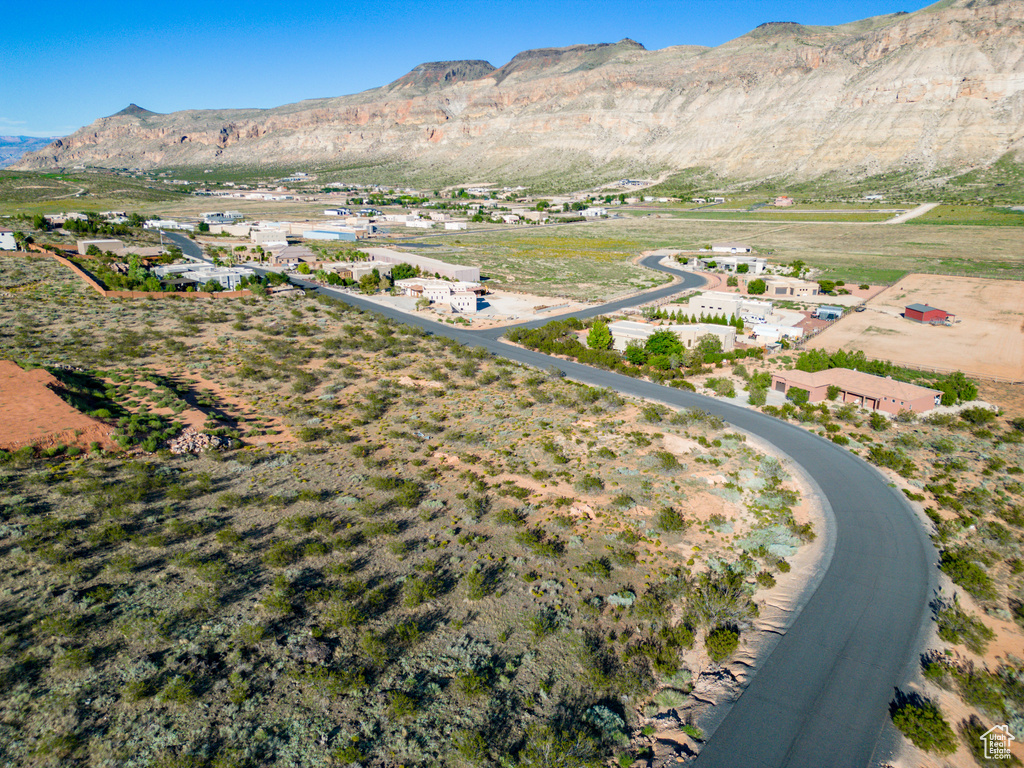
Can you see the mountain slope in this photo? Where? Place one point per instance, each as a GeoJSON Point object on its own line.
{"type": "Point", "coordinates": [938, 88]}
{"type": "Point", "coordinates": [13, 148]}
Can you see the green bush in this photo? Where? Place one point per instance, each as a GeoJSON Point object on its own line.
{"type": "Point", "coordinates": [955, 625]}
{"type": "Point", "coordinates": [958, 565]}
{"type": "Point", "coordinates": [925, 726]}
{"type": "Point", "coordinates": [798, 396]}
{"type": "Point", "coordinates": [670, 520]}
{"type": "Point", "coordinates": [721, 642]}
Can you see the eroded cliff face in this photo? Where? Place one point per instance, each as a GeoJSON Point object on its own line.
{"type": "Point", "coordinates": [942, 87]}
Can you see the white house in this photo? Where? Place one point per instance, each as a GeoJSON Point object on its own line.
{"type": "Point", "coordinates": [228, 277]}
{"type": "Point", "coordinates": [337, 212]}
{"type": "Point", "coordinates": [455, 225]}
{"type": "Point", "coordinates": [592, 213]}
{"type": "Point", "coordinates": [7, 242]}
{"type": "Point", "coordinates": [715, 304]}
{"type": "Point", "coordinates": [167, 224]}
{"type": "Point", "coordinates": [626, 331]}
{"type": "Point", "coordinates": [268, 236]}
{"type": "Point", "coordinates": [464, 301]}
{"type": "Point", "coordinates": [756, 265]}
{"type": "Point", "coordinates": [769, 334]}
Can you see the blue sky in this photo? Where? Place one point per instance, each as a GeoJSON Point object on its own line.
{"type": "Point", "coordinates": [65, 65]}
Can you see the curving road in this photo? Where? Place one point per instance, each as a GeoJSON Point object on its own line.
{"type": "Point", "coordinates": [820, 698]}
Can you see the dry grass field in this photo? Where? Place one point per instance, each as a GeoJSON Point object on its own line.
{"type": "Point", "coordinates": [987, 340]}
{"type": "Point", "coordinates": [444, 559]}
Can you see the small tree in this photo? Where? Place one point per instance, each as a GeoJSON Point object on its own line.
{"type": "Point", "coordinates": [635, 353]}
{"type": "Point", "coordinates": [757, 287]}
{"type": "Point", "coordinates": [369, 284]}
{"type": "Point", "coordinates": [304, 269]}
{"type": "Point", "coordinates": [833, 391]}
{"type": "Point", "coordinates": [742, 269]}
{"type": "Point", "coordinates": [599, 337]}
{"type": "Point", "coordinates": [212, 286]}
{"type": "Point", "coordinates": [663, 343]}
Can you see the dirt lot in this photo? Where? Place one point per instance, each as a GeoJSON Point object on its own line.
{"type": "Point", "coordinates": [987, 340]}
{"type": "Point", "coordinates": [33, 414]}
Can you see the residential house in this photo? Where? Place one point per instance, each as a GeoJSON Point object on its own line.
{"type": "Point", "coordinates": [717, 304]}
{"type": "Point", "coordinates": [7, 241]}
{"type": "Point", "coordinates": [625, 331]}
{"type": "Point", "coordinates": [875, 393]}
{"type": "Point", "coordinates": [115, 246]}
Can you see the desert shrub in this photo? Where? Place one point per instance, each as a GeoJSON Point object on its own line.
{"type": "Point", "coordinates": [481, 582]}
{"type": "Point", "coordinates": [417, 590]}
{"type": "Point", "coordinates": [597, 569]}
{"type": "Point", "coordinates": [510, 517]}
{"type": "Point", "coordinates": [958, 565]}
{"type": "Point", "coordinates": [721, 386]}
{"type": "Point", "coordinates": [670, 520]}
{"type": "Point", "coordinates": [721, 642]}
{"type": "Point", "coordinates": [544, 623]}
{"type": "Point", "coordinates": [281, 554]}
{"type": "Point", "coordinates": [922, 722]}
{"type": "Point", "coordinates": [798, 396]}
{"type": "Point", "coordinates": [589, 484]}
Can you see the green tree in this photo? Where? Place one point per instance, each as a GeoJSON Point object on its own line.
{"type": "Point", "coordinates": [304, 269]}
{"type": "Point", "coordinates": [212, 286]}
{"type": "Point", "coordinates": [742, 269]}
{"type": "Point", "coordinates": [663, 343]}
{"type": "Point", "coordinates": [635, 353]}
{"type": "Point", "coordinates": [599, 337]}
{"type": "Point", "coordinates": [708, 344]}
{"type": "Point", "coordinates": [369, 284]}
{"type": "Point", "coordinates": [826, 286]}
{"type": "Point", "coordinates": [757, 287]}
{"type": "Point", "coordinates": [404, 271]}
{"type": "Point", "coordinates": [833, 391]}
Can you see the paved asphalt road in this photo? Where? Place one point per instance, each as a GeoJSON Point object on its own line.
{"type": "Point", "coordinates": [820, 699]}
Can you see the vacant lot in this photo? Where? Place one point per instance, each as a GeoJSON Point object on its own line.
{"type": "Point", "coordinates": [987, 340]}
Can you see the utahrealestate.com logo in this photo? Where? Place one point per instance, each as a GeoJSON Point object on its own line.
{"type": "Point", "coordinates": [997, 742]}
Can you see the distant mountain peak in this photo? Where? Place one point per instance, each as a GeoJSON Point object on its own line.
{"type": "Point", "coordinates": [438, 74]}
{"type": "Point", "coordinates": [133, 110]}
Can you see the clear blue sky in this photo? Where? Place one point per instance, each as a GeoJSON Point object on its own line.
{"type": "Point", "coordinates": [64, 64]}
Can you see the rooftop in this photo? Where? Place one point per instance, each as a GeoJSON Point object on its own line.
{"type": "Point", "coordinates": [858, 382]}
{"type": "Point", "coordinates": [924, 308]}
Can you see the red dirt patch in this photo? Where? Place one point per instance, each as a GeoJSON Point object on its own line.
{"type": "Point", "coordinates": [33, 414]}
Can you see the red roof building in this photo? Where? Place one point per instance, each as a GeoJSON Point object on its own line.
{"type": "Point", "coordinates": [922, 313]}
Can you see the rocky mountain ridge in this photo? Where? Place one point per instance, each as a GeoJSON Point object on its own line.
{"type": "Point", "coordinates": [939, 88]}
